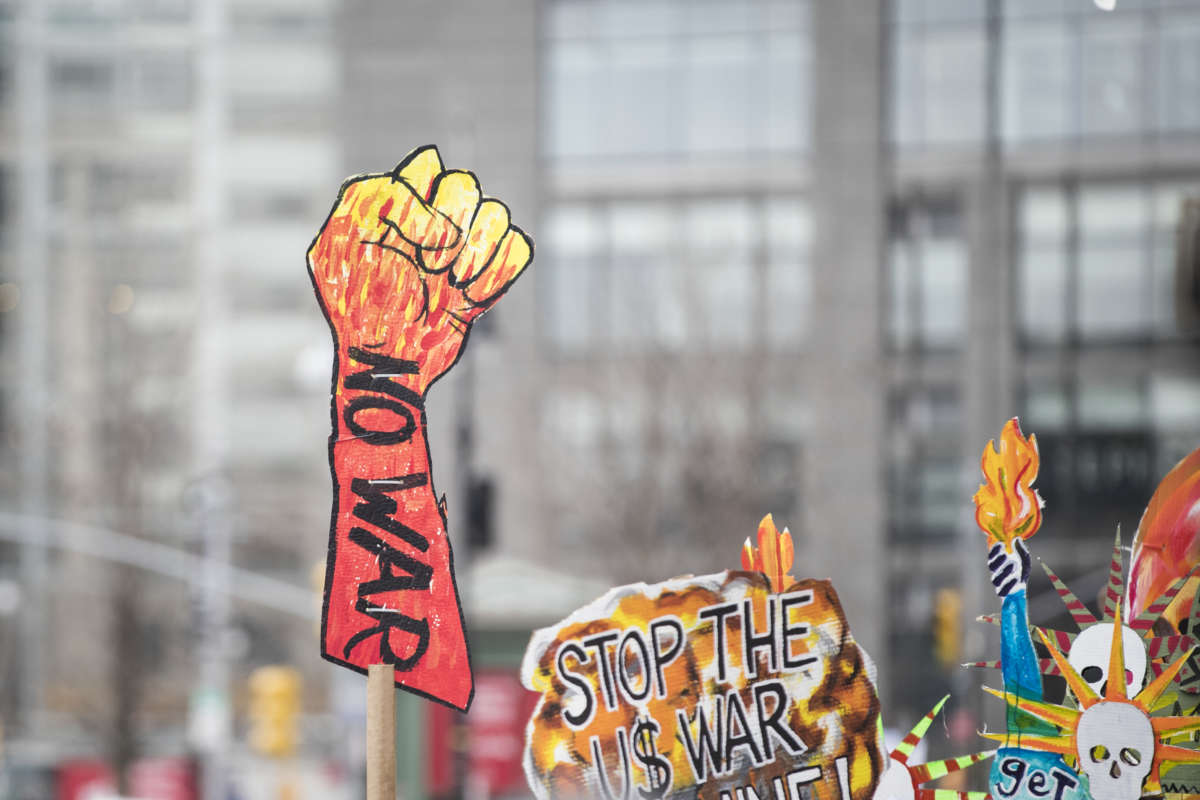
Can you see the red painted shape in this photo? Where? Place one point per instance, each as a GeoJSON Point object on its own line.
{"type": "Point", "coordinates": [497, 731]}
{"type": "Point", "coordinates": [1167, 544]}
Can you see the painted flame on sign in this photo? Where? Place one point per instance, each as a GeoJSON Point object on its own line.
{"type": "Point", "coordinates": [1007, 507]}
{"type": "Point", "coordinates": [774, 555]}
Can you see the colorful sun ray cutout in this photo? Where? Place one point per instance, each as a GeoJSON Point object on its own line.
{"type": "Point", "coordinates": [1160, 650]}
{"type": "Point", "coordinates": [1100, 719]}
{"type": "Point", "coordinates": [904, 780]}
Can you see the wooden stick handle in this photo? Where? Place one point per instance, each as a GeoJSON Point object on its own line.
{"type": "Point", "coordinates": [381, 732]}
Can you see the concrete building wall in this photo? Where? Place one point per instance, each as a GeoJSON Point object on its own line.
{"type": "Point", "coordinates": [844, 502]}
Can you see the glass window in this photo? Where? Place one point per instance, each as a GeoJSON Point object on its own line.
{"type": "Point", "coordinates": [719, 78]}
{"type": "Point", "coordinates": [909, 11]}
{"type": "Point", "coordinates": [937, 73]}
{"type": "Point", "coordinates": [279, 21]}
{"type": "Point", "coordinates": [1044, 215]}
{"type": "Point", "coordinates": [719, 238]}
{"type": "Point", "coordinates": [1175, 403]}
{"type": "Point", "coordinates": [954, 10]}
{"type": "Point", "coordinates": [575, 83]}
{"type": "Point", "coordinates": [1039, 81]}
{"type": "Point", "coordinates": [1112, 405]}
{"type": "Point", "coordinates": [923, 462]}
{"type": "Point", "coordinates": [163, 82]}
{"type": "Point", "coordinates": [1034, 8]}
{"type": "Point", "coordinates": [1111, 210]}
{"type": "Point", "coordinates": [939, 495]}
{"type": "Point", "coordinates": [718, 16]}
{"type": "Point", "coordinates": [928, 284]}
{"type": "Point", "coordinates": [637, 98]}
{"type": "Point", "coordinates": [676, 77]}
{"type": "Point", "coordinates": [1112, 88]}
{"type": "Point", "coordinates": [783, 100]}
{"type": "Point", "coordinates": [1098, 262]}
{"type": "Point", "coordinates": [1046, 407]}
{"type": "Point", "coordinates": [632, 18]}
{"type": "Point", "coordinates": [1042, 286]}
{"type": "Point", "coordinates": [943, 292]}
{"type": "Point", "coordinates": [905, 77]}
{"type": "Point", "coordinates": [572, 20]}
{"type": "Point", "coordinates": [574, 238]}
{"type": "Point", "coordinates": [162, 10]}
{"type": "Point", "coordinates": [640, 235]}
{"type": "Point", "coordinates": [1113, 267]}
{"type": "Point", "coordinates": [788, 272]}
{"type": "Point", "coordinates": [1178, 56]}
{"type": "Point", "coordinates": [1111, 289]}
{"type": "Point", "coordinates": [75, 82]}
{"type": "Point", "coordinates": [953, 85]}
{"type": "Point", "coordinates": [1071, 69]}
{"type": "Point", "coordinates": [83, 12]}
{"type": "Point", "coordinates": [617, 276]}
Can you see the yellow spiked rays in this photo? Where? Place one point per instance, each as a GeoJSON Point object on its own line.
{"type": "Point", "coordinates": [1067, 718]}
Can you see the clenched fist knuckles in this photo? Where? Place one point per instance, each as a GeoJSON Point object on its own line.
{"type": "Point", "coordinates": [407, 260]}
{"type": "Point", "coordinates": [1009, 567]}
{"type": "Point", "coordinates": [404, 264]}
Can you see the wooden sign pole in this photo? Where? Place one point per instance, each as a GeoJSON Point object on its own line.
{"type": "Point", "coordinates": [381, 732]}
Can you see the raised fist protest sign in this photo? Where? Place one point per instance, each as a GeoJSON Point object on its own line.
{"type": "Point", "coordinates": [404, 264]}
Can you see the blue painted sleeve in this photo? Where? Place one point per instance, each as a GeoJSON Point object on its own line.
{"type": "Point", "coordinates": [1019, 662]}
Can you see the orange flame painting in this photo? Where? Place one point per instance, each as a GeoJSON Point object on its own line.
{"type": "Point", "coordinates": [1007, 507]}
{"type": "Point", "coordinates": [774, 555]}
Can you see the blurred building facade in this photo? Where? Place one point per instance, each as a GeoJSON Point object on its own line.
{"type": "Point", "coordinates": [923, 217]}
{"type": "Point", "coordinates": [792, 257]}
{"type": "Point", "coordinates": [163, 165]}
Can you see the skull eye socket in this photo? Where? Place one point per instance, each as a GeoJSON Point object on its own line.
{"type": "Point", "coordinates": [1092, 674]}
{"type": "Point", "coordinates": [1099, 753]}
{"type": "Point", "coordinates": [1131, 756]}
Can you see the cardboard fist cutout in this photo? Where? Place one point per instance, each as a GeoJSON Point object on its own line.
{"type": "Point", "coordinates": [404, 264]}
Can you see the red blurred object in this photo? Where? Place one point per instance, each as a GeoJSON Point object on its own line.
{"type": "Point", "coordinates": [163, 779]}
{"type": "Point", "coordinates": [497, 729]}
{"type": "Point", "coordinates": [79, 779]}
{"type": "Point", "coordinates": [496, 737]}
{"type": "Point", "coordinates": [439, 749]}
{"type": "Point", "coordinates": [149, 779]}
{"type": "Point", "coordinates": [1167, 544]}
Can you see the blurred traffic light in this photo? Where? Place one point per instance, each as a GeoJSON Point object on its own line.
{"type": "Point", "coordinates": [480, 505]}
{"type": "Point", "coordinates": [274, 710]}
{"type": "Point", "coordinates": [947, 627]}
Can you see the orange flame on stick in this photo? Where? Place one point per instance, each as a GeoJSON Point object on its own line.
{"type": "Point", "coordinates": [774, 555]}
{"type": "Point", "coordinates": [1007, 506]}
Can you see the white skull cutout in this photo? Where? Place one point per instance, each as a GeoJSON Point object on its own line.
{"type": "Point", "coordinates": [1115, 745]}
{"type": "Point", "coordinates": [1090, 652]}
{"type": "Point", "coordinates": [896, 783]}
